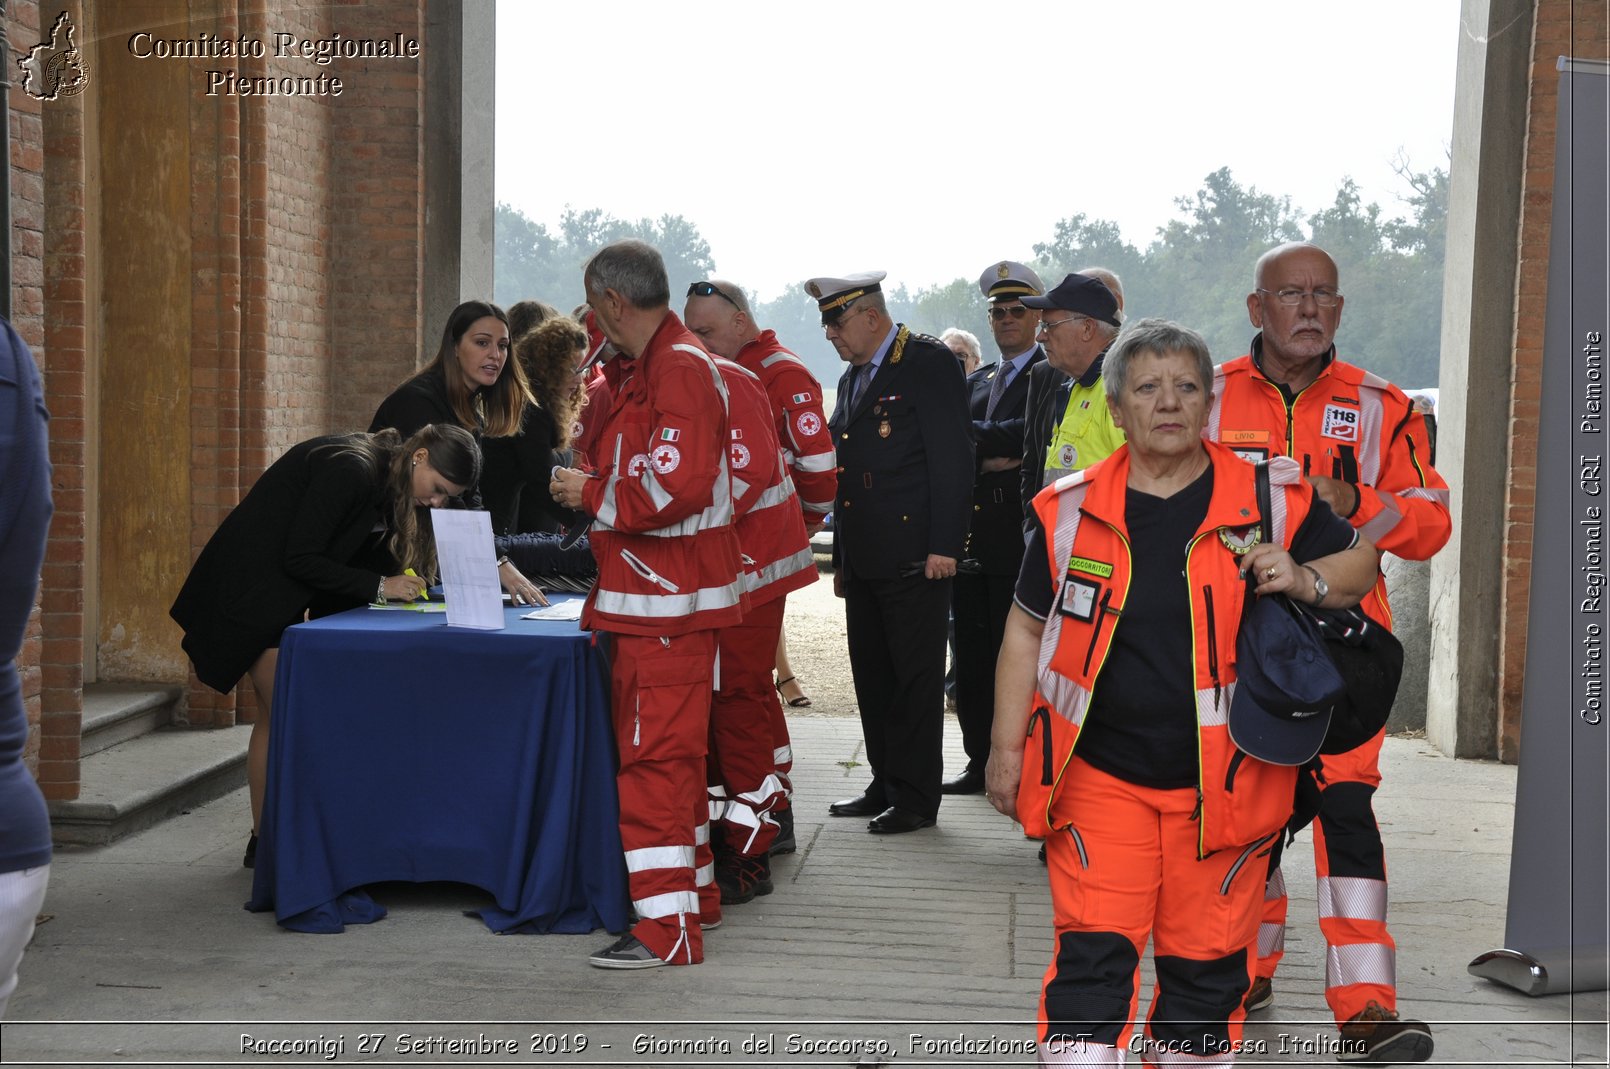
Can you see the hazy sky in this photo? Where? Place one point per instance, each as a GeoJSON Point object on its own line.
{"type": "Point", "coordinates": [928, 139]}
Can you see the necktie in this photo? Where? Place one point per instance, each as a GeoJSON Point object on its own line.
{"type": "Point", "coordinates": [998, 387]}
{"type": "Point", "coordinates": [863, 375]}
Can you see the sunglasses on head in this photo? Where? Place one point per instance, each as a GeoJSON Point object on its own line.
{"type": "Point", "coordinates": [1000, 312]}
{"type": "Point", "coordinates": [710, 289]}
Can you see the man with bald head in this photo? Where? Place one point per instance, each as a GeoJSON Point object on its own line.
{"type": "Point", "coordinates": [1366, 451]}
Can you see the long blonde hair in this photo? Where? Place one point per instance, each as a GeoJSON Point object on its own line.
{"type": "Point", "coordinates": [548, 351]}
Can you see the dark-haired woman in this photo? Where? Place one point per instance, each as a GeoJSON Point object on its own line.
{"type": "Point", "coordinates": [294, 541]}
{"type": "Point", "coordinates": [472, 383]}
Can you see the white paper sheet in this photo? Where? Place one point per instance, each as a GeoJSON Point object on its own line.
{"type": "Point", "coordinates": [569, 609]}
{"type": "Point", "coordinates": [469, 568]}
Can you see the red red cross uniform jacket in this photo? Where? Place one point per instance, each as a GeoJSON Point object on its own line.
{"type": "Point", "coordinates": [796, 403]}
{"type": "Point", "coordinates": [668, 557]}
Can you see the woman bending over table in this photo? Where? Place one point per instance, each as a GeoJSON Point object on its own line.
{"type": "Point", "coordinates": [311, 536]}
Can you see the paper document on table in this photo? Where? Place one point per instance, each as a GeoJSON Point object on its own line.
{"type": "Point", "coordinates": [569, 609]}
{"type": "Point", "coordinates": [469, 568]}
{"type": "Point", "coordinates": [410, 606]}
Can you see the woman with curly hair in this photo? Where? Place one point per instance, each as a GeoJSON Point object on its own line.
{"type": "Point", "coordinates": [335, 523]}
{"type": "Point", "coordinates": [518, 468]}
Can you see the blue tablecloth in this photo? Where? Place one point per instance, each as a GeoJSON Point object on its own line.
{"type": "Point", "coordinates": [404, 749]}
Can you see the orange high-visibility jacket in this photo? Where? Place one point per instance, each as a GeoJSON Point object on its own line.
{"type": "Point", "coordinates": [1348, 424]}
{"type": "Point", "coordinates": [1240, 798]}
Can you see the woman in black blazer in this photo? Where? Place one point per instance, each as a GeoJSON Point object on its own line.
{"type": "Point", "coordinates": [300, 540]}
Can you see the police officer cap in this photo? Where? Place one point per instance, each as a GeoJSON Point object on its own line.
{"type": "Point", "coordinates": [1083, 294]}
{"type": "Point", "coordinates": [1009, 281]}
{"type": "Point", "coordinates": [833, 294]}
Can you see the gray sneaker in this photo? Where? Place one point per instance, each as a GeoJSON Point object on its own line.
{"type": "Point", "coordinates": [627, 952]}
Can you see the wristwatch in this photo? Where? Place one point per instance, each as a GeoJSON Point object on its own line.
{"type": "Point", "coordinates": [1321, 588]}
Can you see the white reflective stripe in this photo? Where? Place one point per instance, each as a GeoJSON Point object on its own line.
{"type": "Point", "coordinates": [1382, 523]}
{"type": "Point", "coordinates": [1354, 897]}
{"type": "Point", "coordinates": [818, 462]}
{"type": "Point", "coordinates": [667, 905]}
{"type": "Point", "coordinates": [1067, 698]}
{"type": "Point", "coordinates": [782, 356]}
{"type": "Point", "coordinates": [658, 495]}
{"type": "Point", "coordinates": [701, 834]}
{"type": "Point", "coordinates": [769, 786]}
{"type": "Point", "coordinates": [774, 495]}
{"type": "Point", "coordinates": [783, 755]}
{"type": "Point", "coordinates": [668, 606]}
{"type": "Point", "coordinates": [782, 569]}
{"type": "Point", "coordinates": [659, 857]}
{"type": "Point", "coordinates": [1360, 963]}
{"type": "Point", "coordinates": [704, 875]}
{"type": "Point", "coordinates": [1212, 431]}
{"type": "Point", "coordinates": [1160, 1054]}
{"type": "Point", "coordinates": [1062, 540]}
{"type": "Point", "coordinates": [1074, 1051]}
{"type": "Point", "coordinates": [1275, 887]}
{"type": "Point", "coordinates": [816, 506]}
{"type": "Point", "coordinates": [1277, 513]}
{"type": "Point", "coordinates": [606, 506]}
{"type": "Point", "coordinates": [740, 488]}
{"type": "Point", "coordinates": [1371, 413]}
{"type": "Point", "coordinates": [1210, 713]}
{"type": "Point", "coordinates": [1271, 939]}
{"type": "Point", "coordinates": [717, 809]}
{"type": "Point", "coordinates": [1427, 493]}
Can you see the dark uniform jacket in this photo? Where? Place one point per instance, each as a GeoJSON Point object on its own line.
{"type": "Point", "coordinates": [995, 537]}
{"type": "Point", "coordinates": [290, 542]}
{"type": "Point", "coordinates": [905, 459]}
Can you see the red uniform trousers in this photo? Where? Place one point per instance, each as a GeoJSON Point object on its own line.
{"type": "Point", "coordinates": [661, 710]}
{"type": "Point", "coordinates": [1350, 863]}
{"type": "Point", "coordinates": [1127, 869]}
{"type": "Point", "coordinates": [744, 786]}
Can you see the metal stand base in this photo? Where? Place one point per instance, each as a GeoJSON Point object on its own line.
{"type": "Point", "coordinates": [1555, 971]}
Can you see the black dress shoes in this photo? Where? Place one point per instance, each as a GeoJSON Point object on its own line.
{"type": "Point", "coordinates": [969, 782]}
{"type": "Point", "coordinates": [859, 806]}
{"type": "Point", "coordinates": [894, 821]}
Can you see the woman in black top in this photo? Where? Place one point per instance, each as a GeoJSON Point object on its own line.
{"type": "Point", "coordinates": [471, 383]}
{"type": "Point", "coordinates": [294, 540]}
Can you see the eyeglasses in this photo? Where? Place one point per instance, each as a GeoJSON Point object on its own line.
{"type": "Point", "coordinates": [1000, 312]}
{"type": "Point", "coordinates": [1324, 296]}
{"type": "Point", "coordinates": [710, 289]}
{"type": "Point", "coordinates": [844, 315]}
{"type": "Point", "coordinates": [1046, 326]}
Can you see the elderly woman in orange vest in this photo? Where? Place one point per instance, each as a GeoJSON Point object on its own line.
{"type": "Point", "coordinates": [1113, 722]}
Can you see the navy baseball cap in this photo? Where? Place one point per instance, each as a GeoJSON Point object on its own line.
{"type": "Point", "coordinates": [1286, 684]}
{"type": "Point", "coordinates": [1083, 294]}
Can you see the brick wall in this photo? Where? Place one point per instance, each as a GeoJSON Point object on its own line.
{"type": "Point", "coordinates": [379, 215]}
{"type": "Point", "coordinates": [1562, 28]}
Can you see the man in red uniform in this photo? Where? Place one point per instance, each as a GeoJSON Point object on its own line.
{"type": "Point", "coordinates": [719, 313]}
{"type": "Point", "coordinates": [745, 787]}
{"type": "Point", "coordinates": [1366, 451]}
{"type": "Point", "coordinates": [669, 577]}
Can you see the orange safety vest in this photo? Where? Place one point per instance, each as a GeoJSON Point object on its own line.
{"type": "Point", "coordinates": [1240, 799]}
{"type": "Point", "coordinates": [1347, 424]}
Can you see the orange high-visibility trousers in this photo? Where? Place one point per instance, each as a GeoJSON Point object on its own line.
{"type": "Point", "coordinates": [1126, 868]}
{"type": "Point", "coordinates": [1350, 863]}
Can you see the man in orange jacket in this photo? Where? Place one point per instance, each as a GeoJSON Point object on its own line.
{"type": "Point", "coordinates": [1366, 451]}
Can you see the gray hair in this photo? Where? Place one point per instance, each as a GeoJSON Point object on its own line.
{"type": "Point", "coordinates": [1109, 279]}
{"type": "Point", "coordinates": [734, 293]}
{"type": "Point", "coordinates": [1157, 337]}
{"type": "Point", "coordinates": [969, 341]}
{"type": "Point", "coordinates": [634, 269]}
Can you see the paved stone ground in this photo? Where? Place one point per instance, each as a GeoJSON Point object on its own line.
{"type": "Point", "coordinates": [867, 940]}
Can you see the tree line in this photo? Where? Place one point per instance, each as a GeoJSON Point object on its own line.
{"type": "Point", "coordinates": [1196, 270]}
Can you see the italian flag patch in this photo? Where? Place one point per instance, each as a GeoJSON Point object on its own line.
{"type": "Point", "coordinates": [801, 398]}
{"type": "Point", "coordinates": [670, 434]}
